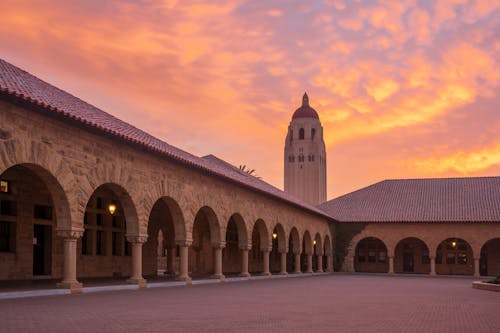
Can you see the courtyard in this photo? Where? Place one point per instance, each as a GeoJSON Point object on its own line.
{"type": "Point", "coordinates": [326, 303]}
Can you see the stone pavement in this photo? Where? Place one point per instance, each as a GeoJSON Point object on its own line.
{"type": "Point", "coordinates": [327, 303]}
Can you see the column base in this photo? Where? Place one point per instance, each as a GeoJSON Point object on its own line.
{"type": "Point", "coordinates": [433, 274]}
{"type": "Point", "coordinates": [266, 274]}
{"type": "Point", "coordinates": [74, 287]}
{"type": "Point", "coordinates": [185, 279]}
{"type": "Point", "coordinates": [220, 277]}
{"type": "Point", "coordinates": [245, 275]}
{"type": "Point", "coordinates": [141, 283]}
{"type": "Point", "coordinates": [308, 272]}
{"type": "Point", "coordinates": [297, 272]}
{"type": "Point", "coordinates": [319, 271]}
{"type": "Point", "coordinates": [283, 273]}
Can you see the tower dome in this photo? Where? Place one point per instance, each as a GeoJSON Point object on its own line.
{"type": "Point", "coordinates": [305, 111]}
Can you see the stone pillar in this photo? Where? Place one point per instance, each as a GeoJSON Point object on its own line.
{"type": "Point", "coordinates": [477, 272]}
{"type": "Point", "coordinates": [70, 243]}
{"type": "Point", "coordinates": [391, 266]}
{"type": "Point", "coordinates": [309, 263]}
{"type": "Point", "coordinates": [329, 263]}
{"type": "Point", "coordinates": [297, 263]}
{"type": "Point", "coordinates": [320, 263]}
{"type": "Point", "coordinates": [184, 264]}
{"type": "Point", "coordinates": [283, 263]}
{"type": "Point", "coordinates": [244, 262]}
{"type": "Point", "coordinates": [433, 266]}
{"type": "Point", "coordinates": [171, 261]}
{"type": "Point", "coordinates": [218, 262]}
{"type": "Point", "coordinates": [136, 277]}
{"type": "Point", "coordinates": [265, 254]}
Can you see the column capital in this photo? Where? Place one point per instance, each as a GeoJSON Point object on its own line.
{"type": "Point", "coordinates": [220, 245]}
{"type": "Point", "coordinates": [245, 247]}
{"type": "Point", "coordinates": [137, 238]}
{"type": "Point", "coordinates": [267, 249]}
{"type": "Point", "coordinates": [73, 233]}
{"type": "Point", "coordinates": [184, 242]}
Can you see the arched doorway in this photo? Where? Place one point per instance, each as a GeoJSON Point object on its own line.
{"type": "Point", "coordinates": [307, 250]}
{"type": "Point", "coordinates": [161, 256]}
{"type": "Point", "coordinates": [371, 256]}
{"type": "Point", "coordinates": [32, 204]}
{"type": "Point", "coordinates": [236, 239]}
{"type": "Point", "coordinates": [103, 249]}
{"type": "Point", "coordinates": [206, 235]}
{"type": "Point", "coordinates": [412, 256]}
{"type": "Point", "coordinates": [260, 243]}
{"type": "Point", "coordinates": [293, 250]}
{"type": "Point", "coordinates": [489, 263]}
{"type": "Point", "coordinates": [454, 257]}
{"type": "Point", "coordinates": [317, 254]}
{"type": "Point", "coordinates": [279, 248]}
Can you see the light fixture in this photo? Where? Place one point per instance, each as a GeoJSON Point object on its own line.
{"type": "Point", "coordinates": [314, 242]}
{"type": "Point", "coordinates": [4, 186]}
{"type": "Point", "coordinates": [275, 235]}
{"type": "Point", "coordinates": [112, 208]}
{"type": "Point", "coordinates": [454, 244]}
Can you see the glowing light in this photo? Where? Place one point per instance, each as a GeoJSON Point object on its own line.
{"type": "Point", "coordinates": [275, 235]}
{"type": "Point", "coordinates": [112, 208]}
{"type": "Point", "coordinates": [314, 242]}
{"type": "Point", "coordinates": [454, 244]}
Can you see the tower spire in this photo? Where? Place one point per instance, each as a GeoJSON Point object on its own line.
{"type": "Point", "coordinates": [305, 100]}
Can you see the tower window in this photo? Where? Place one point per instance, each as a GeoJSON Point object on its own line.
{"type": "Point", "coordinates": [301, 134]}
{"type": "Point", "coordinates": [313, 133]}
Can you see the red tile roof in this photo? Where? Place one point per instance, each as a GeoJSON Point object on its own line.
{"type": "Point", "coordinates": [18, 83]}
{"type": "Point", "coordinates": [475, 199]}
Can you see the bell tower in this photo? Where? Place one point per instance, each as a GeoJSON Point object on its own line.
{"type": "Point", "coordinates": [305, 156]}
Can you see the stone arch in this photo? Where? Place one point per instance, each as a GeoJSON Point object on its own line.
{"type": "Point", "coordinates": [318, 246]}
{"type": "Point", "coordinates": [327, 246]}
{"type": "Point", "coordinates": [261, 227]}
{"type": "Point", "coordinates": [294, 241]}
{"type": "Point", "coordinates": [489, 261]}
{"type": "Point", "coordinates": [411, 255]}
{"type": "Point", "coordinates": [213, 222]}
{"type": "Point", "coordinates": [127, 203]}
{"type": "Point", "coordinates": [242, 229]}
{"type": "Point", "coordinates": [371, 255]}
{"type": "Point", "coordinates": [62, 209]}
{"type": "Point", "coordinates": [454, 256]}
{"type": "Point", "coordinates": [307, 243]}
{"type": "Point", "coordinates": [280, 237]}
{"type": "Point", "coordinates": [348, 264]}
{"type": "Point", "coordinates": [166, 217]}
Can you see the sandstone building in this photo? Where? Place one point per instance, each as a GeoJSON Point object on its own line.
{"type": "Point", "coordinates": [85, 195]}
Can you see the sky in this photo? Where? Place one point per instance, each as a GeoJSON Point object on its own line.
{"type": "Point", "coordinates": [404, 89]}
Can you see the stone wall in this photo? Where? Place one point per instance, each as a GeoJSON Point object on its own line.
{"type": "Point", "coordinates": [72, 162]}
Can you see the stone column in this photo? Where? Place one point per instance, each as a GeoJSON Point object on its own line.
{"type": "Point", "coordinates": [477, 272]}
{"type": "Point", "coordinates": [283, 263]}
{"type": "Point", "coordinates": [265, 254]}
{"type": "Point", "coordinates": [244, 261]}
{"type": "Point", "coordinates": [320, 263]}
{"type": "Point", "coordinates": [70, 243]}
{"type": "Point", "coordinates": [171, 261]}
{"type": "Point", "coordinates": [136, 277]}
{"type": "Point", "coordinates": [433, 266]}
{"type": "Point", "coordinates": [218, 261]}
{"type": "Point", "coordinates": [309, 263]}
{"type": "Point", "coordinates": [329, 263]}
{"type": "Point", "coordinates": [391, 266]}
{"type": "Point", "coordinates": [297, 263]}
{"type": "Point", "coordinates": [184, 258]}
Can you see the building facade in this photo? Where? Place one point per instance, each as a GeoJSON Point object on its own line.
{"type": "Point", "coordinates": [305, 156]}
{"type": "Point", "coordinates": [85, 195]}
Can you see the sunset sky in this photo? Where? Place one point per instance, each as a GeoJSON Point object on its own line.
{"type": "Point", "coordinates": [404, 89]}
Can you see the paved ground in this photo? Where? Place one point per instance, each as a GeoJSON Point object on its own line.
{"type": "Point", "coordinates": [331, 303]}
